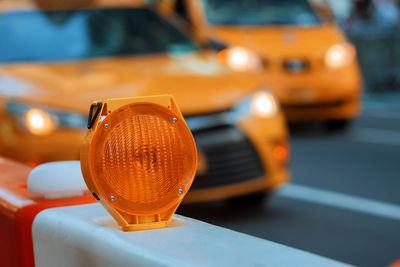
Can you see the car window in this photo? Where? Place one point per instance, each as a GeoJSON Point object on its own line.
{"type": "Point", "coordinates": [87, 33]}
{"type": "Point", "coordinates": [260, 12]}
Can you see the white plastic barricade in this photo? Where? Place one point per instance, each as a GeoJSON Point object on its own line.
{"type": "Point", "coordinates": [86, 235]}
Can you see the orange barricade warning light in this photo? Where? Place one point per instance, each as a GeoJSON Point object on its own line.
{"type": "Point", "coordinates": [138, 159]}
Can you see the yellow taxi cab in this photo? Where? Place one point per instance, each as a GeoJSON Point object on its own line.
{"type": "Point", "coordinates": [55, 59]}
{"type": "Point", "coordinates": [304, 59]}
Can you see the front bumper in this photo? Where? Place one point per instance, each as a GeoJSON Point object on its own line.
{"type": "Point", "coordinates": [318, 94]}
{"type": "Point", "coordinates": [239, 158]}
{"type": "Point", "coordinates": [230, 158]}
{"type": "Point", "coordinates": [323, 111]}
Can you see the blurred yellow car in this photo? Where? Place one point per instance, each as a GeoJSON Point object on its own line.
{"type": "Point", "coordinates": [54, 63]}
{"type": "Point", "coordinates": [306, 61]}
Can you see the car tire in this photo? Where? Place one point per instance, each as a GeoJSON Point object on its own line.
{"type": "Point", "coordinates": [338, 125]}
{"type": "Point", "coordinates": [253, 200]}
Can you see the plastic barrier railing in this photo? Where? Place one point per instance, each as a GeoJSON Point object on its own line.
{"type": "Point", "coordinates": [51, 227]}
{"type": "Point", "coordinates": [86, 235]}
{"type": "Point", "coordinates": [19, 207]}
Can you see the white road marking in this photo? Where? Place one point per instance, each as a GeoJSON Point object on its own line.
{"type": "Point", "coordinates": [375, 136]}
{"type": "Point", "coordinates": [342, 201]}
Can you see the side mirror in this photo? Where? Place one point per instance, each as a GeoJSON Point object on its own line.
{"type": "Point", "coordinates": [324, 11]}
{"type": "Point", "coordinates": [215, 45]}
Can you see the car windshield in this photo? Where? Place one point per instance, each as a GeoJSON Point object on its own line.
{"type": "Point", "coordinates": [260, 12]}
{"type": "Point", "coordinates": [87, 33]}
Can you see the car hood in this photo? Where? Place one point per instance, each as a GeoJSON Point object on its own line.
{"type": "Point", "coordinates": [197, 81]}
{"type": "Point", "coordinates": [281, 41]}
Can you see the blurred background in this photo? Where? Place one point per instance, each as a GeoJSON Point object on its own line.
{"type": "Point", "coordinates": [360, 163]}
{"type": "Point", "coordinates": [373, 26]}
{"type": "Point", "coordinates": [339, 194]}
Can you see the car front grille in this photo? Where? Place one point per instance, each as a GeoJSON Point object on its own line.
{"type": "Point", "coordinates": [336, 104]}
{"type": "Point", "coordinates": [230, 157]}
{"type": "Point", "coordinates": [296, 65]}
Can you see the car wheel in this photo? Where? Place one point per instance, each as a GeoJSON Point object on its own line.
{"type": "Point", "coordinates": [254, 200]}
{"type": "Point", "coordinates": [337, 125]}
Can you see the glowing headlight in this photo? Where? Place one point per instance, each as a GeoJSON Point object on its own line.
{"type": "Point", "coordinates": [240, 59]}
{"type": "Point", "coordinates": [43, 121]}
{"type": "Point", "coordinates": [39, 122]}
{"type": "Point", "coordinates": [264, 104]}
{"type": "Point", "coordinates": [340, 55]}
{"type": "Point", "coordinates": [261, 104]}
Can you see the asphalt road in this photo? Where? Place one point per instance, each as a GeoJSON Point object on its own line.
{"type": "Point", "coordinates": [344, 198]}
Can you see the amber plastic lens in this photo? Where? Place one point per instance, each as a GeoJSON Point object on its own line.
{"type": "Point", "coordinates": [142, 158]}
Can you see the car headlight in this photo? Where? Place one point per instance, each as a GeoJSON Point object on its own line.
{"type": "Point", "coordinates": [43, 121]}
{"type": "Point", "coordinates": [240, 59]}
{"type": "Point", "coordinates": [262, 104]}
{"type": "Point", "coordinates": [340, 55]}
{"type": "Point", "coordinates": [39, 122]}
